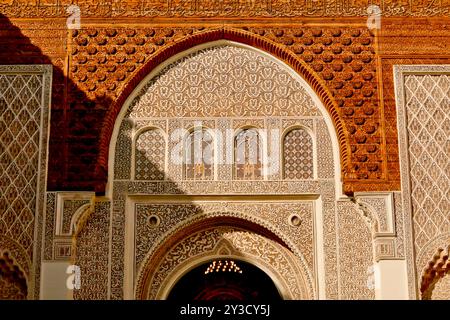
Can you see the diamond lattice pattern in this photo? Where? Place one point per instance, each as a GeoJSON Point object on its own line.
{"type": "Point", "coordinates": [150, 155]}
{"type": "Point", "coordinates": [428, 119]}
{"type": "Point", "coordinates": [20, 115]}
{"type": "Point", "coordinates": [298, 155]}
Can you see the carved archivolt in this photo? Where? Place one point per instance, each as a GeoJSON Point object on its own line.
{"type": "Point", "coordinates": [436, 271]}
{"type": "Point", "coordinates": [13, 281]}
{"type": "Point", "coordinates": [160, 273]}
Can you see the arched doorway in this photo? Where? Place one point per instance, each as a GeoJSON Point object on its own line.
{"type": "Point", "coordinates": [223, 239]}
{"type": "Point", "coordinates": [226, 279]}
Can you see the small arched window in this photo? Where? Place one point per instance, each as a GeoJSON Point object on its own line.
{"type": "Point", "coordinates": [199, 156]}
{"type": "Point", "coordinates": [248, 162]}
{"type": "Point", "coordinates": [298, 155]}
{"type": "Point", "coordinates": [150, 155]}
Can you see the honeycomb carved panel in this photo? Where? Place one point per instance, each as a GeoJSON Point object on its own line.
{"type": "Point", "coordinates": [344, 58]}
{"type": "Point", "coordinates": [231, 241]}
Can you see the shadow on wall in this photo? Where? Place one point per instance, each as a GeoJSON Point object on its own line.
{"type": "Point", "coordinates": [76, 123]}
{"type": "Point", "coordinates": [68, 148]}
{"type": "Point", "coordinates": [76, 120]}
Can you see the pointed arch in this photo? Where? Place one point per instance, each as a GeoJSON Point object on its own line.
{"type": "Point", "coordinates": [240, 36]}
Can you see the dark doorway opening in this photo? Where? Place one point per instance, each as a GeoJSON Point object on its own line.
{"type": "Point", "coordinates": [225, 279]}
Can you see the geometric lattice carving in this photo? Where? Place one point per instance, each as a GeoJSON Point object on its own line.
{"type": "Point", "coordinates": [199, 156]}
{"type": "Point", "coordinates": [423, 105]}
{"type": "Point", "coordinates": [248, 155]}
{"type": "Point", "coordinates": [24, 120]}
{"type": "Point", "coordinates": [20, 116]}
{"type": "Point", "coordinates": [298, 155]}
{"type": "Point", "coordinates": [13, 285]}
{"type": "Point", "coordinates": [428, 125]}
{"type": "Point", "coordinates": [150, 155]}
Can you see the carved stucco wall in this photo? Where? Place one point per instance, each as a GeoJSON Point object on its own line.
{"type": "Point", "coordinates": [355, 254]}
{"type": "Point", "coordinates": [103, 60]}
{"type": "Point", "coordinates": [423, 104]}
{"type": "Point", "coordinates": [180, 94]}
{"type": "Point", "coordinates": [24, 121]}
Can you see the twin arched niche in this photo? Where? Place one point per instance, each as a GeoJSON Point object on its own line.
{"type": "Point", "coordinates": [199, 160]}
